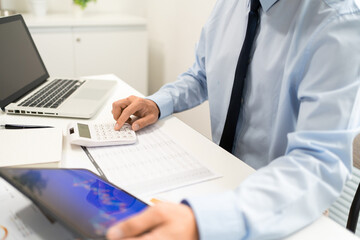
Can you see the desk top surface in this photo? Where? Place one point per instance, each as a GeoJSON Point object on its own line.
{"type": "Point", "coordinates": [233, 170]}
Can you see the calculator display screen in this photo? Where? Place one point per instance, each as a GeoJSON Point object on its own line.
{"type": "Point", "coordinates": [77, 198]}
{"type": "Point", "coordinates": [84, 130]}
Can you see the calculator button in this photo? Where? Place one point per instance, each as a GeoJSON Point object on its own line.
{"type": "Point", "coordinates": [106, 132]}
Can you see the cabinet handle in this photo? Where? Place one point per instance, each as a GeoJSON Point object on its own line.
{"type": "Point", "coordinates": [78, 40]}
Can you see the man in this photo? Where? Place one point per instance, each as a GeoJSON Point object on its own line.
{"type": "Point", "coordinates": [299, 114]}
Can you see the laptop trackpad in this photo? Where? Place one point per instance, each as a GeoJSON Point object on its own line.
{"type": "Point", "coordinates": [90, 94]}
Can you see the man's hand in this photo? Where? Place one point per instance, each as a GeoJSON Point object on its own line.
{"type": "Point", "coordinates": [146, 110]}
{"type": "Point", "coordinates": [162, 221]}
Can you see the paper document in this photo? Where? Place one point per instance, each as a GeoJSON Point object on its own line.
{"type": "Point", "coordinates": [21, 219]}
{"type": "Point", "coordinates": [156, 163]}
{"type": "Point", "coordinates": [30, 146]}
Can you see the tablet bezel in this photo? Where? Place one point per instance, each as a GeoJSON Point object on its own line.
{"type": "Point", "coordinates": [47, 211]}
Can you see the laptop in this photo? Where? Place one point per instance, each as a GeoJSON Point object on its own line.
{"type": "Point", "coordinates": [26, 87]}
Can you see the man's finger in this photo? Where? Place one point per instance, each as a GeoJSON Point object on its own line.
{"type": "Point", "coordinates": [116, 112]}
{"type": "Point", "coordinates": [118, 106]}
{"type": "Point", "coordinates": [136, 225]}
{"type": "Point", "coordinates": [143, 122]}
{"type": "Point", "coordinates": [126, 114]}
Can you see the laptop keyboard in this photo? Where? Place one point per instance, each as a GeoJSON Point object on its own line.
{"type": "Point", "coordinates": [53, 94]}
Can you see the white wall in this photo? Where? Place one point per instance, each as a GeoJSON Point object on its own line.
{"type": "Point", "coordinates": [136, 7]}
{"type": "Point", "coordinates": [174, 28]}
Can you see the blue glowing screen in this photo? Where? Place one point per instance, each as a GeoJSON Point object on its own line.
{"type": "Point", "coordinates": [77, 197]}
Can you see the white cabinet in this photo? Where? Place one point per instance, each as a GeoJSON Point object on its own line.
{"type": "Point", "coordinates": [93, 45]}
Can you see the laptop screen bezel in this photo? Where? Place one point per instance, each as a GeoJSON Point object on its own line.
{"type": "Point", "coordinates": [32, 85]}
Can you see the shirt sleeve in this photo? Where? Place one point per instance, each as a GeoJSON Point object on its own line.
{"type": "Point", "coordinates": [294, 189]}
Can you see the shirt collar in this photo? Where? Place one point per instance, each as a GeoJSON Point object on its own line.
{"type": "Point", "coordinates": [267, 4]}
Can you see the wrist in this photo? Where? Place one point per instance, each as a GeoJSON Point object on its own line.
{"type": "Point", "coordinates": [193, 218]}
{"type": "Point", "coordinates": [155, 107]}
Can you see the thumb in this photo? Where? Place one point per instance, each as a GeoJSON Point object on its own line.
{"type": "Point", "coordinates": [143, 122]}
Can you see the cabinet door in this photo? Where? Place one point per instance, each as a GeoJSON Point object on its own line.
{"type": "Point", "coordinates": [56, 50]}
{"type": "Point", "coordinates": [121, 51]}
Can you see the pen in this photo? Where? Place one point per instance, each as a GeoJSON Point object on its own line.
{"type": "Point", "coordinates": [16, 126]}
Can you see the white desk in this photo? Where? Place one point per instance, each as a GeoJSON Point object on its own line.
{"type": "Point", "coordinates": [232, 169]}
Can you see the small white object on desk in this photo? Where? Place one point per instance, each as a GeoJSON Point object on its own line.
{"type": "Point", "coordinates": [30, 146]}
{"type": "Point", "coordinates": [100, 134]}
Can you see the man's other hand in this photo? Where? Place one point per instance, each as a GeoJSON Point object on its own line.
{"type": "Point", "coordinates": [162, 221]}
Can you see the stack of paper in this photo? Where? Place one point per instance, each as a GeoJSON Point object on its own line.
{"type": "Point", "coordinates": [30, 146]}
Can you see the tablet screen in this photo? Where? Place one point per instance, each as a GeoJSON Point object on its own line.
{"type": "Point", "coordinates": [81, 200]}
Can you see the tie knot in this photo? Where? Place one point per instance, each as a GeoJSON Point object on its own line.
{"type": "Point", "coordinates": [255, 4]}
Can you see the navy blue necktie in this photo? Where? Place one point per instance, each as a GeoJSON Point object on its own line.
{"type": "Point", "coordinates": [227, 138]}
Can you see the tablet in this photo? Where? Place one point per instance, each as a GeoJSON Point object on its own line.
{"type": "Point", "coordinates": [80, 200]}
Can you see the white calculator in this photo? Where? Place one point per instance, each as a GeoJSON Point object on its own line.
{"type": "Point", "coordinates": [100, 134]}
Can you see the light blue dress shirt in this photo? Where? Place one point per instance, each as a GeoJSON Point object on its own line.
{"type": "Point", "coordinates": [299, 116]}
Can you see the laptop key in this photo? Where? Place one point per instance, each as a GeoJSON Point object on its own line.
{"type": "Point", "coordinates": [53, 94]}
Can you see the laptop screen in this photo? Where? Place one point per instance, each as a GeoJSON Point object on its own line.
{"type": "Point", "coordinates": [21, 67]}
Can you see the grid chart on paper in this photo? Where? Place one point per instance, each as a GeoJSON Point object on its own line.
{"type": "Point", "coordinates": [156, 163]}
